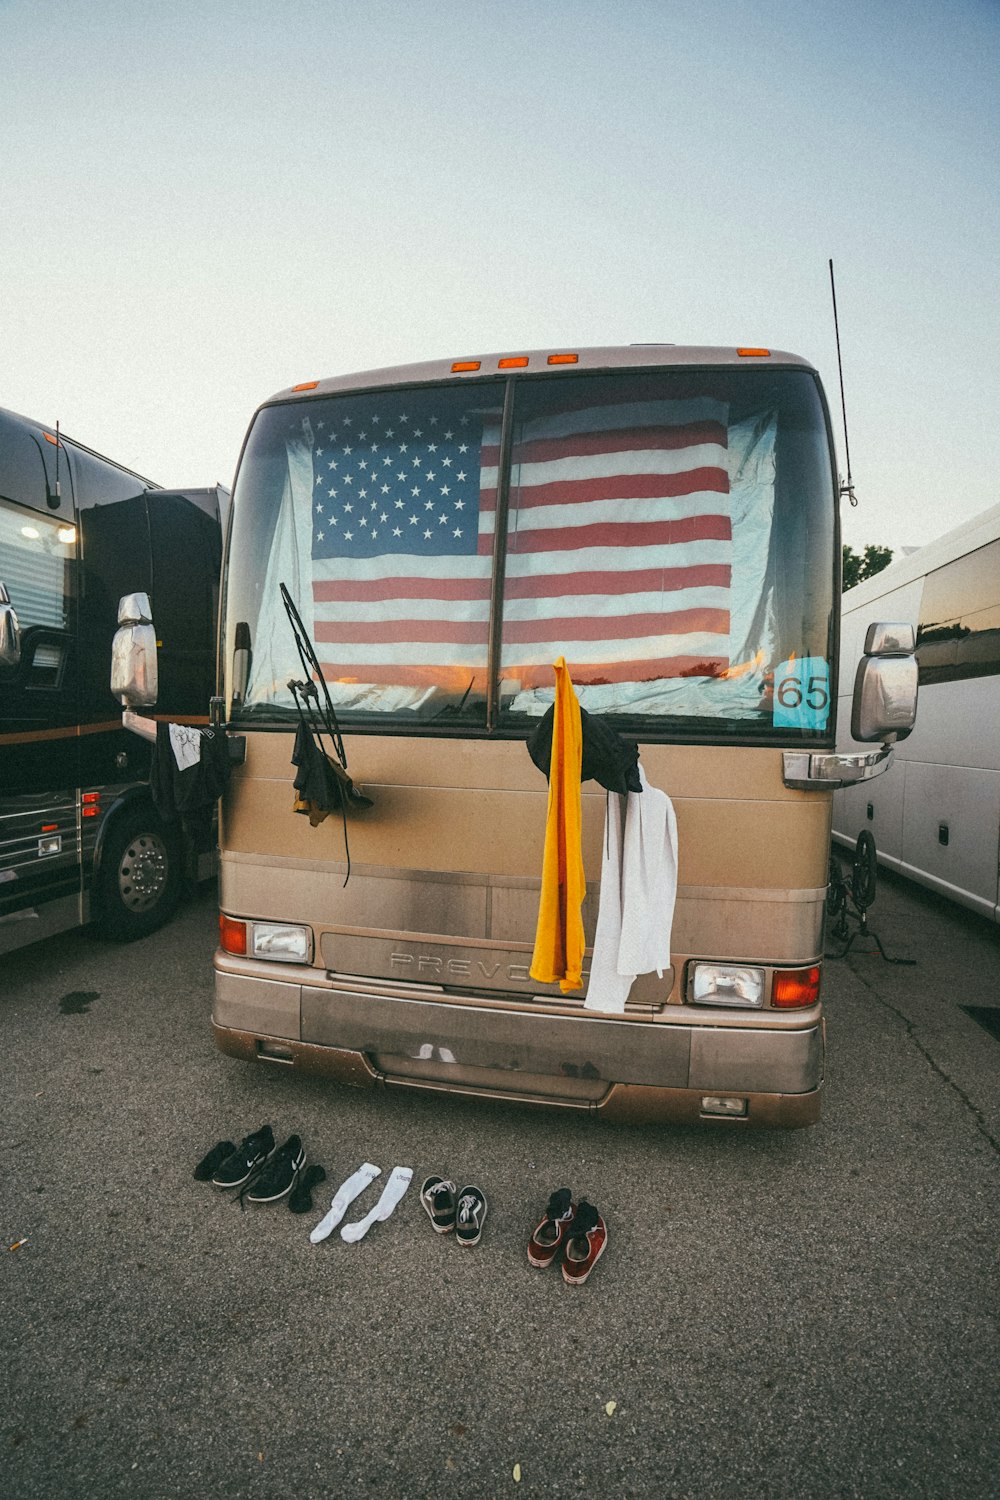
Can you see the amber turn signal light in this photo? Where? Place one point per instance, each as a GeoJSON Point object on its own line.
{"type": "Point", "coordinates": [232, 934]}
{"type": "Point", "coordinates": [794, 989]}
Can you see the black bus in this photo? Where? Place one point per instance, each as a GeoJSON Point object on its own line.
{"type": "Point", "coordinates": [80, 838]}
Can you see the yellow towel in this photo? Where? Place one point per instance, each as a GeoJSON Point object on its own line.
{"type": "Point", "coordinates": [559, 944]}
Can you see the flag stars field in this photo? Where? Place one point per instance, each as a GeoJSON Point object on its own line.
{"type": "Point", "coordinates": [618, 547]}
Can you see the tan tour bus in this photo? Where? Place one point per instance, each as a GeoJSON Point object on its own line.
{"type": "Point", "coordinates": [665, 520]}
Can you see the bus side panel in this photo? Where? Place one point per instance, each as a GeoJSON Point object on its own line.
{"type": "Point", "coordinates": [952, 831]}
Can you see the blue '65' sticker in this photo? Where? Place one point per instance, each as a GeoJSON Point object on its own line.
{"type": "Point", "coordinates": [802, 693]}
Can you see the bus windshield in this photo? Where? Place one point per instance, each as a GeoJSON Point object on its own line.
{"type": "Point", "coordinates": [668, 532]}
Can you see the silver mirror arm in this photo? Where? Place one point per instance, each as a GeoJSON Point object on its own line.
{"type": "Point", "coordinates": [811, 772]}
{"type": "Point", "coordinates": [145, 728]}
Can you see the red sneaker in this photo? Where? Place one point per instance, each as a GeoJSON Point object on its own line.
{"type": "Point", "coordinates": [586, 1238]}
{"type": "Point", "coordinates": [546, 1242]}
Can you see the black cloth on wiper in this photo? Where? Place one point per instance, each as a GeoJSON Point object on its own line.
{"type": "Point", "coordinates": [322, 784]}
{"type": "Point", "coordinates": [608, 758]}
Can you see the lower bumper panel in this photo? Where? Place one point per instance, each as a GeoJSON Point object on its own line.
{"type": "Point", "coordinates": [623, 1069]}
{"type": "Point", "coordinates": [620, 1103]}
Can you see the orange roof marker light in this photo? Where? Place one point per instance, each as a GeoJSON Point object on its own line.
{"type": "Point", "coordinates": [564, 359]}
{"type": "Point", "coordinates": [514, 363]}
{"type": "Point", "coordinates": [754, 353]}
{"type": "Point", "coordinates": [465, 364]}
{"type": "Point", "coordinates": [50, 439]}
{"type": "Point", "coordinates": [307, 385]}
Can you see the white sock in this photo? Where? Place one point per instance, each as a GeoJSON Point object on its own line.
{"type": "Point", "coordinates": [343, 1198]}
{"type": "Point", "coordinates": [393, 1191]}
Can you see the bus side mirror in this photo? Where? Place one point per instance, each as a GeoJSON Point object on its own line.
{"type": "Point", "coordinates": [885, 688]}
{"type": "Point", "coordinates": [10, 635]}
{"type": "Point", "coordinates": [133, 654]}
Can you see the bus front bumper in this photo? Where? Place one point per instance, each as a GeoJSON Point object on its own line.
{"type": "Point", "coordinates": [362, 1033]}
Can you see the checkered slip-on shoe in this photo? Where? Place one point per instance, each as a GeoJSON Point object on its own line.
{"type": "Point", "coordinates": [440, 1198]}
{"type": "Point", "coordinates": [251, 1153]}
{"type": "Point", "coordinates": [280, 1173]}
{"type": "Point", "coordinates": [547, 1240]}
{"type": "Point", "coordinates": [585, 1242]}
{"type": "Point", "coordinates": [470, 1217]}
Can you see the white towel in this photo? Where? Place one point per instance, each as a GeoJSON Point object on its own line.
{"type": "Point", "coordinates": [638, 894]}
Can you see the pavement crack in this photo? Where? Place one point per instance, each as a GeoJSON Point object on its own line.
{"type": "Point", "coordinates": [912, 1036]}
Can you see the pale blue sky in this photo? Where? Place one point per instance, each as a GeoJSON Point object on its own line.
{"type": "Point", "coordinates": [203, 203]}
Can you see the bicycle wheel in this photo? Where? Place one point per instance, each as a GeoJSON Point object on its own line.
{"type": "Point", "coordinates": [864, 871]}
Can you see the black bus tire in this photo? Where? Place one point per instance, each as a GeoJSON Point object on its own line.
{"type": "Point", "coordinates": [139, 883]}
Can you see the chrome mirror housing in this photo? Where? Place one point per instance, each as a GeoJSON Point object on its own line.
{"type": "Point", "coordinates": [884, 708]}
{"type": "Point", "coordinates": [885, 639]}
{"type": "Point", "coordinates": [133, 654]}
{"type": "Point", "coordinates": [885, 698]}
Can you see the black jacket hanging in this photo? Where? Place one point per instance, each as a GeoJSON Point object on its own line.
{"type": "Point", "coordinates": [187, 775]}
{"type": "Point", "coordinates": [608, 758]}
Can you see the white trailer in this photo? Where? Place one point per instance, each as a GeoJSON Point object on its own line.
{"type": "Point", "coordinates": [935, 814]}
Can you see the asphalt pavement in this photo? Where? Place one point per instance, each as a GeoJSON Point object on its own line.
{"type": "Point", "coordinates": [812, 1313]}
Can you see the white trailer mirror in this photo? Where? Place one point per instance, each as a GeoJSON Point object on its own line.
{"type": "Point", "coordinates": [133, 654]}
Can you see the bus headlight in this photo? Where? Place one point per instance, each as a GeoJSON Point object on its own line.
{"type": "Point", "coordinates": [726, 984]}
{"type": "Point", "coordinates": [282, 941]}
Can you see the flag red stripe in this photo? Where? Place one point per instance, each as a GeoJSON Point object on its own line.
{"type": "Point", "coordinates": [616, 487]}
{"type": "Point", "coordinates": [365, 590]}
{"type": "Point", "coordinates": [458, 678]}
{"type": "Point", "coordinates": [622, 534]}
{"type": "Point", "coordinates": [538, 586]}
{"type": "Point", "coordinates": [615, 440]}
{"type": "Point", "coordinates": [584, 674]}
{"type": "Point", "coordinates": [640, 581]}
{"type": "Point", "coordinates": [616, 627]}
{"type": "Point", "coordinates": [391, 632]}
{"type": "Point", "coordinates": [565, 628]}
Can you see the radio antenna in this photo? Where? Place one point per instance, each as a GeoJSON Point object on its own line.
{"type": "Point", "coordinates": [846, 487]}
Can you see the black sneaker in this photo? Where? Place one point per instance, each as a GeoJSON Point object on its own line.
{"type": "Point", "coordinates": [470, 1216]}
{"type": "Point", "coordinates": [213, 1160]}
{"type": "Point", "coordinates": [438, 1196]}
{"type": "Point", "coordinates": [278, 1177]}
{"type": "Point", "coordinates": [250, 1154]}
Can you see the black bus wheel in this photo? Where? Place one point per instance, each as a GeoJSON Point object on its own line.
{"type": "Point", "coordinates": [140, 878]}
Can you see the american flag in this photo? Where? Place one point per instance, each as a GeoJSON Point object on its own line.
{"type": "Point", "coordinates": [401, 564]}
{"type": "Point", "coordinates": [620, 543]}
{"type": "Point", "coordinates": [618, 553]}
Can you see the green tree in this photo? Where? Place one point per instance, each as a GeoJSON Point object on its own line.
{"type": "Point", "coordinates": [866, 564]}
